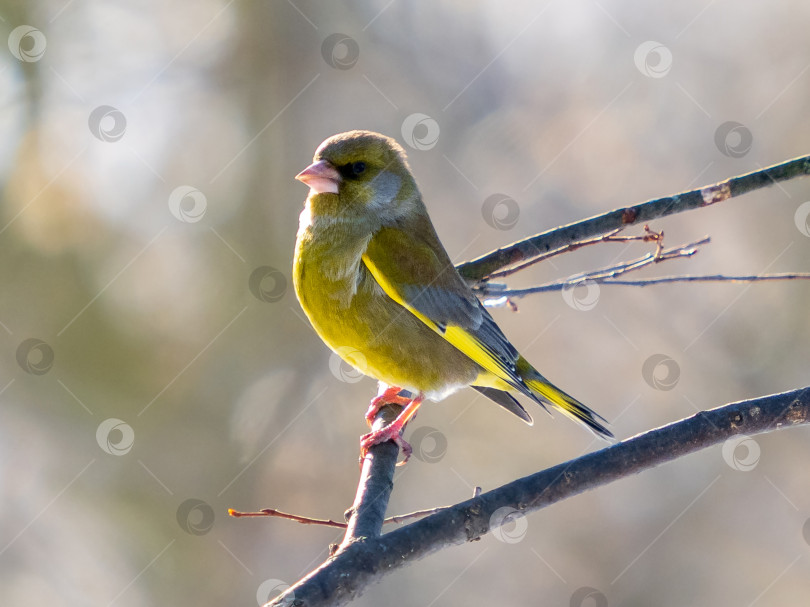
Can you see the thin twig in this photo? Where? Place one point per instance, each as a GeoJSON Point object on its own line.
{"type": "Point", "coordinates": [660, 255]}
{"type": "Point", "coordinates": [644, 282]}
{"type": "Point", "coordinates": [601, 275]}
{"type": "Point", "coordinates": [607, 276]}
{"type": "Point", "coordinates": [649, 235]}
{"type": "Point", "coordinates": [306, 520]}
{"type": "Point", "coordinates": [529, 248]}
{"type": "Point", "coordinates": [708, 278]}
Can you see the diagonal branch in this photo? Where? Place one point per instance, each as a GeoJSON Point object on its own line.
{"type": "Point", "coordinates": [367, 514]}
{"type": "Point", "coordinates": [365, 561]}
{"type": "Point", "coordinates": [519, 252]}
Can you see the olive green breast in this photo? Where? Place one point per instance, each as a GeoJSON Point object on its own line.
{"type": "Point", "coordinates": [355, 318]}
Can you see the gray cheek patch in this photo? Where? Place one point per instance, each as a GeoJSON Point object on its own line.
{"type": "Point", "coordinates": [387, 186]}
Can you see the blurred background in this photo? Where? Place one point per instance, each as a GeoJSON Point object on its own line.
{"type": "Point", "coordinates": [155, 368]}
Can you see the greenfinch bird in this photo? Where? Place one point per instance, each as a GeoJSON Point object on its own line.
{"type": "Point", "coordinates": [378, 287]}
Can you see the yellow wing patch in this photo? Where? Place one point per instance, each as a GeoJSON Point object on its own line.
{"type": "Point", "coordinates": [459, 337]}
{"type": "Point", "coordinates": [477, 350]}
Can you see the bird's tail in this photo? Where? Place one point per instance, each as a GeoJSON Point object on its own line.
{"type": "Point", "coordinates": [544, 391]}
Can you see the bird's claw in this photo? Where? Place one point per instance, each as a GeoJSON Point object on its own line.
{"type": "Point", "coordinates": [389, 397]}
{"type": "Point", "coordinates": [391, 432]}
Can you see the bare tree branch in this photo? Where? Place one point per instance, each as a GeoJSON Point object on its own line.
{"type": "Point", "coordinates": [367, 514]}
{"type": "Point", "coordinates": [519, 252]}
{"type": "Point", "coordinates": [366, 560]}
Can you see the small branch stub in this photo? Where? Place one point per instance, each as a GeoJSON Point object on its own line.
{"type": "Point", "coordinates": [715, 193]}
{"type": "Point", "coordinates": [629, 215]}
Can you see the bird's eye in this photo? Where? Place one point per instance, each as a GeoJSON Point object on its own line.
{"type": "Point", "coordinates": [352, 170]}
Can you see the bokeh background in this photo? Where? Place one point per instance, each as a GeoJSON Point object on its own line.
{"type": "Point", "coordinates": [155, 368]}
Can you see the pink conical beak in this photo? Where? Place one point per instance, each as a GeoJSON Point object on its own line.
{"type": "Point", "coordinates": [321, 177]}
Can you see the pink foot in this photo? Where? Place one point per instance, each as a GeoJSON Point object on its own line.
{"type": "Point", "coordinates": [389, 432]}
{"type": "Point", "coordinates": [392, 431]}
{"type": "Point", "coordinates": [389, 396]}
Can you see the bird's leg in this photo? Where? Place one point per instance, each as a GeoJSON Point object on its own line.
{"type": "Point", "coordinates": [389, 396]}
{"type": "Point", "coordinates": [392, 431]}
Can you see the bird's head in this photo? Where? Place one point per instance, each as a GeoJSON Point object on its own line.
{"type": "Point", "coordinates": [360, 173]}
